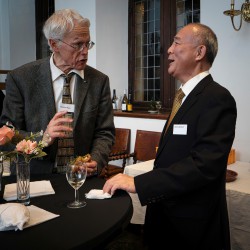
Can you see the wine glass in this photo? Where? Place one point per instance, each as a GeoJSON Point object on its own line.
{"type": "Point", "coordinates": [76, 175]}
{"type": "Point", "coordinates": [158, 106]}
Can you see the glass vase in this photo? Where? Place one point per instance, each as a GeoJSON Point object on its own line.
{"type": "Point", "coordinates": [23, 182]}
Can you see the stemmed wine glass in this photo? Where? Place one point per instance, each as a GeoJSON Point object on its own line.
{"type": "Point", "coordinates": [76, 174]}
{"type": "Point", "coordinates": [158, 106]}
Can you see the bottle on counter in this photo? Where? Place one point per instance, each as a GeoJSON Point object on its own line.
{"type": "Point", "coordinates": [114, 100]}
{"type": "Point", "coordinates": [124, 101]}
{"type": "Point", "coordinates": [129, 105]}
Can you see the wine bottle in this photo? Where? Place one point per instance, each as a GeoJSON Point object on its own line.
{"type": "Point", "coordinates": [129, 105]}
{"type": "Point", "coordinates": [114, 98]}
{"type": "Point", "coordinates": [124, 101]}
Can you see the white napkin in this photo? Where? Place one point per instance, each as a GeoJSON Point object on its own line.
{"type": "Point", "coordinates": [38, 215]}
{"type": "Point", "coordinates": [14, 216]}
{"type": "Point", "coordinates": [97, 194]}
{"type": "Point", "coordinates": [37, 188]}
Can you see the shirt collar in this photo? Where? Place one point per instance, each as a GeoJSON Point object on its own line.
{"type": "Point", "coordinates": [190, 84]}
{"type": "Point", "coordinates": [56, 72]}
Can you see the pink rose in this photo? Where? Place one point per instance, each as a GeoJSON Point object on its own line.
{"type": "Point", "coordinates": [6, 134]}
{"type": "Point", "coordinates": [26, 147]}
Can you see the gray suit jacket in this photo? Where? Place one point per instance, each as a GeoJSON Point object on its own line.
{"type": "Point", "coordinates": [30, 105]}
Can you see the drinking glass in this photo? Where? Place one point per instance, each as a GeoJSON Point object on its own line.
{"type": "Point", "coordinates": [158, 106]}
{"type": "Point", "coordinates": [76, 176]}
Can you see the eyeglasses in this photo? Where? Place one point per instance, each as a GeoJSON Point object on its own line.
{"type": "Point", "coordinates": [80, 46]}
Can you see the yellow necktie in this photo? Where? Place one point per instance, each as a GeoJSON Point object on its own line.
{"type": "Point", "coordinates": [176, 105]}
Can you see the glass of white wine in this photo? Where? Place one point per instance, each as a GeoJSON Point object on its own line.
{"type": "Point", "coordinates": [76, 175]}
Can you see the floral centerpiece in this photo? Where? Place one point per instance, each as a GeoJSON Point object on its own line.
{"type": "Point", "coordinates": [28, 147]}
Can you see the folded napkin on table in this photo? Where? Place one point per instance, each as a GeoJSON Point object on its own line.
{"type": "Point", "coordinates": [97, 194]}
{"type": "Point", "coordinates": [37, 188]}
{"type": "Point", "coordinates": [14, 216]}
{"type": "Point", "coordinates": [38, 215]}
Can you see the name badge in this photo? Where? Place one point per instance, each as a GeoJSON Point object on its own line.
{"type": "Point", "coordinates": [67, 107]}
{"type": "Point", "coordinates": [180, 129]}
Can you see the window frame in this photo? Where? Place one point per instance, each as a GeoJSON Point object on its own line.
{"type": "Point", "coordinates": [167, 32]}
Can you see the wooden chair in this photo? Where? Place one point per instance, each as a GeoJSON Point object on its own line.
{"type": "Point", "coordinates": [120, 151]}
{"type": "Point", "coordinates": [2, 83]}
{"type": "Point", "coordinates": [146, 144]}
{"type": "Point", "coordinates": [121, 148]}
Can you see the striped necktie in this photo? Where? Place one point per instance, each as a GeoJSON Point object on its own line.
{"type": "Point", "coordinates": [65, 151]}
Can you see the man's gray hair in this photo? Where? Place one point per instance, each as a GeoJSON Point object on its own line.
{"type": "Point", "coordinates": [62, 22]}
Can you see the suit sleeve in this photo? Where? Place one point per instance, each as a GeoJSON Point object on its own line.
{"type": "Point", "coordinates": [104, 131]}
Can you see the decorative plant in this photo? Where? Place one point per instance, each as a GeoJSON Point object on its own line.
{"type": "Point", "coordinates": [152, 105]}
{"type": "Point", "coordinates": [28, 147]}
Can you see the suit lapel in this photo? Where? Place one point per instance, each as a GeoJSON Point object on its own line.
{"type": "Point", "coordinates": [45, 88]}
{"type": "Point", "coordinates": [81, 88]}
{"type": "Point", "coordinates": [187, 104]}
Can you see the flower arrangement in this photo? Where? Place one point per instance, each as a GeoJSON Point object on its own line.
{"type": "Point", "coordinates": [152, 105]}
{"type": "Point", "coordinates": [27, 147]}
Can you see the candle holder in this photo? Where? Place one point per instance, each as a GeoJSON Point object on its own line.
{"type": "Point", "coordinates": [244, 13]}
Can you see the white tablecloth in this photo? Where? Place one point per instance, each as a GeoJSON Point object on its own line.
{"type": "Point", "coordinates": [133, 170]}
{"type": "Point", "coordinates": [238, 198]}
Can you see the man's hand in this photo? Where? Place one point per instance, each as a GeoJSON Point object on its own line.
{"type": "Point", "coordinates": [91, 168]}
{"type": "Point", "coordinates": [119, 181]}
{"type": "Point", "coordinates": [56, 128]}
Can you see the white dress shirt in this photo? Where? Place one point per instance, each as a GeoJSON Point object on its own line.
{"type": "Point", "coordinates": [190, 84]}
{"type": "Point", "coordinates": [58, 80]}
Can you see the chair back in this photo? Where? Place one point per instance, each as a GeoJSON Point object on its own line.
{"type": "Point", "coordinates": [122, 142]}
{"type": "Point", "coordinates": [120, 151]}
{"type": "Point", "coordinates": [146, 143]}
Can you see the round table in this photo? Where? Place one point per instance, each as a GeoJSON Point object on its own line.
{"type": "Point", "coordinates": [90, 227]}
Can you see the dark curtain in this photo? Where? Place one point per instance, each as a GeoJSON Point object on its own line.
{"type": "Point", "coordinates": [43, 9]}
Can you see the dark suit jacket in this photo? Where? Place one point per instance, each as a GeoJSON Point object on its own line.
{"type": "Point", "coordinates": [185, 192]}
{"type": "Point", "coordinates": [29, 104]}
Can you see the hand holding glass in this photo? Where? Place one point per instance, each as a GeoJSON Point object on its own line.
{"type": "Point", "coordinates": [76, 176]}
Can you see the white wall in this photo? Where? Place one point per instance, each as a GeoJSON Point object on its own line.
{"type": "Point", "coordinates": [109, 29]}
{"type": "Point", "coordinates": [231, 67]}
{"type": "Point", "coordinates": [112, 42]}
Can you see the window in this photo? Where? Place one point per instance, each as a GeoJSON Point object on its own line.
{"type": "Point", "coordinates": [152, 26]}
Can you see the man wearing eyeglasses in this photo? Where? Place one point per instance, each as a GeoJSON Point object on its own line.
{"type": "Point", "coordinates": [34, 95]}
